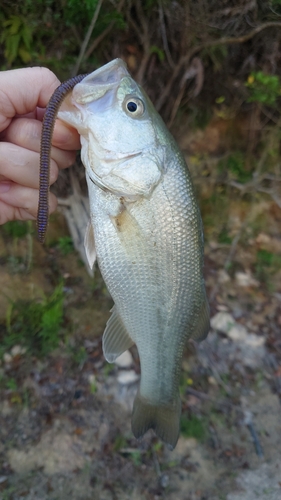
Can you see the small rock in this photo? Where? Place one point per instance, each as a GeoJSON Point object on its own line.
{"type": "Point", "coordinates": [127, 377]}
{"type": "Point", "coordinates": [254, 340]}
{"type": "Point", "coordinates": [237, 333]}
{"type": "Point", "coordinates": [262, 239]}
{"type": "Point", "coordinates": [223, 322]}
{"type": "Point", "coordinates": [5, 408]}
{"type": "Point", "coordinates": [212, 380]}
{"type": "Point", "coordinates": [92, 379]}
{"type": "Point", "coordinates": [17, 350]}
{"type": "Point", "coordinates": [222, 307]}
{"type": "Point", "coordinates": [223, 276]}
{"type": "Point", "coordinates": [124, 360]}
{"type": "Point", "coordinates": [245, 279]}
{"type": "Point", "coordinates": [7, 358]}
{"type": "Point", "coordinates": [164, 480]}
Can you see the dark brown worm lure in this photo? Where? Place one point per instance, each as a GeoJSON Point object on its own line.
{"type": "Point", "coordinates": [45, 151]}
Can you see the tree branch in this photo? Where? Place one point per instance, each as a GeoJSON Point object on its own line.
{"type": "Point", "coordinates": [107, 30]}
{"type": "Point", "coordinates": [221, 41]}
{"type": "Point", "coordinates": [87, 38]}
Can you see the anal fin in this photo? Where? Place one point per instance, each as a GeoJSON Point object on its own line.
{"type": "Point", "coordinates": [202, 326]}
{"type": "Point", "coordinates": [116, 339]}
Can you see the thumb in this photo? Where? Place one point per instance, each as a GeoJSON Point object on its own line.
{"type": "Point", "coordinates": [22, 90]}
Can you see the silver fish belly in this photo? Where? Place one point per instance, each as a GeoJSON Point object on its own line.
{"type": "Point", "coordinates": [150, 252]}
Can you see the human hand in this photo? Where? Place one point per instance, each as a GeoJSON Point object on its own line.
{"type": "Point", "coordinates": [24, 94]}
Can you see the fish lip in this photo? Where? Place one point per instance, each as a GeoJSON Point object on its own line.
{"type": "Point", "coordinates": [99, 81]}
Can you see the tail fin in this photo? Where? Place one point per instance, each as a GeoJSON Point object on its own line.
{"type": "Point", "coordinates": [164, 420]}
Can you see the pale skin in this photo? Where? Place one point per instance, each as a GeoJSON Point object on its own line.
{"type": "Point", "coordinates": [24, 94]}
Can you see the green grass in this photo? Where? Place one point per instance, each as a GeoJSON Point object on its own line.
{"type": "Point", "coordinates": [65, 245]}
{"type": "Point", "coordinates": [267, 264]}
{"type": "Point", "coordinates": [234, 166]}
{"type": "Point", "coordinates": [34, 325]}
{"type": "Point", "coordinates": [16, 229]}
{"type": "Point", "coordinates": [224, 237]}
{"type": "Point", "coordinates": [79, 355]}
{"type": "Point", "coordinates": [192, 426]}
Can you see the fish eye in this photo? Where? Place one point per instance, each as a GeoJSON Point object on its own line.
{"type": "Point", "coordinates": [133, 106]}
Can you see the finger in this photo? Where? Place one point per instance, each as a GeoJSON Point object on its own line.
{"type": "Point", "coordinates": [8, 213]}
{"type": "Point", "coordinates": [37, 113]}
{"type": "Point", "coordinates": [22, 90]}
{"type": "Point", "coordinates": [26, 132]}
{"type": "Point", "coordinates": [65, 137]}
{"type": "Point", "coordinates": [24, 198]}
{"type": "Point", "coordinates": [21, 165]}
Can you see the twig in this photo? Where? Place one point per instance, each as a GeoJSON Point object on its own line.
{"type": "Point", "coordinates": [230, 255]}
{"type": "Point", "coordinates": [221, 41]}
{"type": "Point", "coordinates": [213, 368]}
{"type": "Point", "coordinates": [249, 423]}
{"type": "Point", "coordinates": [195, 70]}
{"type": "Point", "coordinates": [76, 34]}
{"type": "Point", "coordinates": [164, 35]}
{"type": "Point", "coordinates": [145, 41]}
{"type": "Point", "coordinates": [203, 395]}
{"type": "Point", "coordinates": [99, 39]}
{"type": "Point", "coordinates": [107, 30]}
{"type": "Point", "coordinates": [87, 38]}
{"type": "Point", "coordinates": [156, 462]}
{"type": "Point", "coordinates": [232, 11]}
{"type": "Point", "coordinates": [234, 244]}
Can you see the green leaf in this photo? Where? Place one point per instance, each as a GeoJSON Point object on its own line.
{"type": "Point", "coordinates": [15, 23]}
{"type": "Point", "coordinates": [24, 55]}
{"type": "Point", "coordinates": [159, 52]}
{"type": "Point", "coordinates": [26, 35]}
{"type": "Point", "coordinates": [12, 44]}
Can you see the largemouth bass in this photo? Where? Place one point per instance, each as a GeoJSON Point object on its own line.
{"type": "Point", "coordinates": [146, 232]}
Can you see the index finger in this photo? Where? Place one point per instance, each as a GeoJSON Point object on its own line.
{"type": "Point", "coordinates": [22, 90]}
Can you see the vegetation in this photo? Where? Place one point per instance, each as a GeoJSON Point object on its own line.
{"type": "Point", "coordinates": [179, 66]}
{"type": "Point", "coordinates": [34, 325]}
{"type": "Point", "coordinates": [192, 426]}
{"type": "Point", "coordinates": [196, 59]}
{"type": "Point", "coordinates": [212, 69]}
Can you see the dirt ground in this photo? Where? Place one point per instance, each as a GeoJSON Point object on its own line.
{"type": "Point", "coordinates": [65, 418]}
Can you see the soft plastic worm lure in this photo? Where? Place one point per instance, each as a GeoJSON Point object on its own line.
{"type": "Point", "coordinates": [45, 151]}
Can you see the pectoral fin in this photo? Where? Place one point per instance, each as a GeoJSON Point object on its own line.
{"type": "Point", "coordinates": [116, 339]}
{"type": "Point", "coordinates": [202, 326]}
{"type": "Point", "coordinates": [89, 243]}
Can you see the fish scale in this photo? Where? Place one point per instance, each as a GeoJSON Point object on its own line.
{"type": "Point", "coordinates": [154, 279]}
{"type": "Point", "coordinates": [147, 232]}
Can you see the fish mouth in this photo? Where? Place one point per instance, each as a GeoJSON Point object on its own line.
{"type": "Point", "coordinates": [98, 83]}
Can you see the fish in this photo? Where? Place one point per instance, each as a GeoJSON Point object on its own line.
{"type": "Point", "coordinates": [146, 232]}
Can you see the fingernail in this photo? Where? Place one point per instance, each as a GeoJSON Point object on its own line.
{"type": "Point", "coordinates": [4, 187]}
